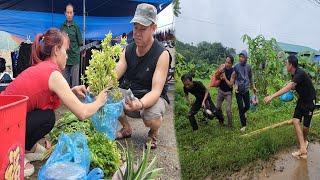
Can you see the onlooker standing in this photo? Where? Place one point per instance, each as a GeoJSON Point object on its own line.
{"type": "Point", "coordinates": [71, 72]}
{"type": "Point", "coordinates": [243, 79]}
{"type": "Point", "coordinates": [225, 89]}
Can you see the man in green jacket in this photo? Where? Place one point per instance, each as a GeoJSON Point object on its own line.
{"type": "Point", "coordinates": [71, 72]}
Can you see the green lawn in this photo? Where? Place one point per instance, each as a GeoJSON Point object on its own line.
{"type": "Point", "coordinates": [219, 151]}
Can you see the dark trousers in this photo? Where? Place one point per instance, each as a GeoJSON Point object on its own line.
{"type": "Point", "coordinates": [243, 101]}
{"type": "Point", "coordinates": [196, 106]}
{"type": "Point", "coordinates": [38, 124]}
{"type": "Point", "coordinates": [71, 74]}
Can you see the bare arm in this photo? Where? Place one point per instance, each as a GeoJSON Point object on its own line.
{"type": "Point", "coordinates": [233, 78]}
{"type": "Point", "coordinates": [285, 89]}
{"type": "Point", "coordinates": [251, 82]}
{"type": "Point", "coordinates": [59, 85]}
{"type": "Point", "coordinates": [205, 97]}
{"type": "Point", "coordinates": [226, 80]}
{"type": "Point", "coordinates": [158, 80]}
{"type": "Point", "coordinates": [288, 87]}
{"type": "Point", "coordinates": [121, 65]}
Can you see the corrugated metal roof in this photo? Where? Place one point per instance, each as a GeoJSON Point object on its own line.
{"type": "Point", "coordinates": [296, 48]}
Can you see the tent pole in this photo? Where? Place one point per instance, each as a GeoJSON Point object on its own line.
{"type": "Point", "coordinates": [84, 22]}
{"type": "Point", "coordinates": [84, 39]}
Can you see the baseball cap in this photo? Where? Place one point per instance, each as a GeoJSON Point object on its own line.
{"type": "Point", "coordinates": [244, 53]}
{"type": "Point", "coordinates": [145, 14]}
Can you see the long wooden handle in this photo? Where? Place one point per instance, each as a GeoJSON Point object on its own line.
{"type": "Point", "coordinates": [287, 122]}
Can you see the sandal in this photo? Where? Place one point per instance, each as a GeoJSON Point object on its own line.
{"type": "Point", "coordinates": [28, 168]}
{"type": "Point", "coordinates": [153, 142]}
{"type": "Point", "coordinates": [38, 154]}
{"type": "Point", "coordinates": [299, 155]}
{"type": "Point", "coordinates": [152, 139]}
{"type": "Point", "coordinates": [123, 133]}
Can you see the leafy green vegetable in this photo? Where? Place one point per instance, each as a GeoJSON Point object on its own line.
{"type": "Point", "coordinates": [101, 73]}
{"type": "Point", "coordinates": [104, 153]}
{"type": "Point", "coordinates": [69, 123]}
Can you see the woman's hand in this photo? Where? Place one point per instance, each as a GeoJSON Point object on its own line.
{"type": "Point", "coordinates": [80, 90]}
{"type": "Point", "coordinates": [102, 97]}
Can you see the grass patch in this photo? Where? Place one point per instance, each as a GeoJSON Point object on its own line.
{"type": "Point", "coordinates": [219, 151]}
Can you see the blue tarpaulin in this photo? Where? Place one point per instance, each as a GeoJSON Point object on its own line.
{"type": "Point", "coordinates": [24, 23]}
{"type": "Point", "coordinates": [29, 17]}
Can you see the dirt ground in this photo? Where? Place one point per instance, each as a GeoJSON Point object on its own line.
{"type": "Point", "coordinates": [283, 166]}
{"type": "Point", "coordinates": [166, 153]}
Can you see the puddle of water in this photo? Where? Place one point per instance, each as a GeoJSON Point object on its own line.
{"type": "Point", "coordinates": [288, 167]}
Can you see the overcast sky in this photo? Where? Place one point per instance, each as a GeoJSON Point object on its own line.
{"type": "Point", "coordinates": [225, 21]}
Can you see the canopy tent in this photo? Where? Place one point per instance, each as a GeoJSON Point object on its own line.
{"type": "Point", "coordinates": [29, 17]}
{"type": "Point", "coordinates": [165, 19]}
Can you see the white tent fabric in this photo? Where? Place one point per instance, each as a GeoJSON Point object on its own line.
{"type": "Point", "coordinates": [165, 19]}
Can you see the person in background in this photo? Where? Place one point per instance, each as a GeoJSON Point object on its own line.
{"type": "Point", "coordinates": [302, 83]}
{"type": "Point", "coordinates": [46, 86]}
{"type": "Point", "coordinates": [243, 78]}
{"type": "Point", "coordinates": [2, 65]}
{"type": "Point", "coordinates": [72, 70]}
{"type": "Point", "coordinates": [5, 77]}
{"type": "Point", "coordinates": [225, 89]}
{"type": "Point", "coordinates": [203, 99]}
{"type": "Point", "coordinates": [125, 37]}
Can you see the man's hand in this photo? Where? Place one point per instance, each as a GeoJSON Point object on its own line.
{"type": "Point", "coordinates": [267, 99]}
{"type": "Point", "coordinates": [203, 104]}
{"type": "Point", "coordinates": [80, 90]}
{"type": "Point", "coordinates": [255, 90]}
{"type": "Point", "coordinates": [134, 105]}
{"type": "Point", "coordinates": [223, 76]}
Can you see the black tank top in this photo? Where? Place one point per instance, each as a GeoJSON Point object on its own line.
{"type": "Point", "coordinates": [140, 70]}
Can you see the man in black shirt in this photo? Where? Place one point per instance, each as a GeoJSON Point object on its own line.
{"type": "Point", "coordinates": [203, 99]}
{"type": "Point", "coordinates": [302, 83]}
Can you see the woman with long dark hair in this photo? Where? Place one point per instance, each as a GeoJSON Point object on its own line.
{"type": "Point", "coordinates": [45, 86]}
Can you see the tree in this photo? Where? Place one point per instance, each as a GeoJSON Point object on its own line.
{"type": "Point", "coordinates": [267, 68]}
{"type": "Point", "coordinates": [176, 7]}
{"type": "Point", "coordinates": [201, 59]}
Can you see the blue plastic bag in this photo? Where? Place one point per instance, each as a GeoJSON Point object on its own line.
{"type": "Point", "coordinates": [106, 119]}
{"type": "Point", "coordinates": [253, 102]}
{"type": "Point", "coordinates": [286, 97]}
{"type": "Point", "coordinates": [69, 160]}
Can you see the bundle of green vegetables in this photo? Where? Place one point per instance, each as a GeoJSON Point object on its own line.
{"type": "Point", "coordinates": [101, 72]}
{"type": "Point", "coordinates": [104, 153]}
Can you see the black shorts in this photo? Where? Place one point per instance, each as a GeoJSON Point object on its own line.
{"type": "Point", "coordinates": [305, 111]}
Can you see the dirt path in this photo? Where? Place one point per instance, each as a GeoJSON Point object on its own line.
{"type": "Point", "coordinates": [288, 167]}
{"type": "Point", "coordinates": [166, 153]}
{"type": "Point", "coordinates": [284, 166]}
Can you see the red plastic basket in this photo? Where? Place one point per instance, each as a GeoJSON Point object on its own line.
{"type": "Point", "coordinates": [13, 111]}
